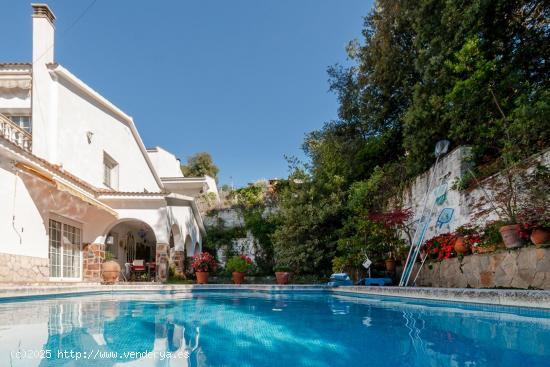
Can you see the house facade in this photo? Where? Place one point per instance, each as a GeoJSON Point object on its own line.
{"type": "Point", "coordinates": [78, 183]}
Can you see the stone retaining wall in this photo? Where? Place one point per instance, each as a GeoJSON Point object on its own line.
{"type": "Point", "coordinates": [528, 267]}
{"type": "Point", "coordinates": [17, 268]}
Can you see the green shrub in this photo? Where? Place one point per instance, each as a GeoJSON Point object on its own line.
{"type": "Point", "coordinates": [238, 264]}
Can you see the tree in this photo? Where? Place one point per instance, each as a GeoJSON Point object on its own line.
{"type": "Point", "coordinates": [200, 164]}
{"type": "Point", "coordinates": [476, 72]}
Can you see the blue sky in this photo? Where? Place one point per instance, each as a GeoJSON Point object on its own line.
{"type": "Point", "coordinates": [241, 79]}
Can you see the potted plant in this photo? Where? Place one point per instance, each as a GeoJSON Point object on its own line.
{"type": "Point", "coordinates": [282, 274]}
{"type": "Point", "coordinates": [505, 197]}
{"type": "Point", "coordinates": [464, 237]}
{"type": "Point", "coordinates": [538, 231]}
{"type": "Point", "coordinates": [535, 213]}
{"type": "Point", "coordinates": [238, 266]}
{"type": "Point", "coordinates": [110, 269]}
{"type": "Point", "coordinates": [203, 263]}
{"type": "Point", "coordinates": [536, 225]}
{"type": "Point", "coordinates": [488, 239]}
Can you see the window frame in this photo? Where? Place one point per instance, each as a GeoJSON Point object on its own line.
{"type": "Point", "coordinates": [66, 227]}
{"type": "Point", "coordinates": [110, 171]}
{"type": "Point", "coordinates": [16, 119]}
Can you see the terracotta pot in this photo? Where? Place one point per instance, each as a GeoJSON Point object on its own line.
{"type": "Point", "coordinates": [510, 236]}
{"type": "Point", "coordinates": [283, 277]}
{"type": "Point", "coordinates": [238, 277]}
{"type": "Point", "coordinates": [110, 271]}
{"type": "Point", "coordinates": [540, 236]}
{"type": "Point", "coordinates": [202, 277]}
{"type": "Point", "coordinates": [390, 265]}
{"type": "Point", "coordinates": [460, 245]}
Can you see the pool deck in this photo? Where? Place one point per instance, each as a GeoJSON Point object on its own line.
{"type": "Point", "coordinates": [495, 297]}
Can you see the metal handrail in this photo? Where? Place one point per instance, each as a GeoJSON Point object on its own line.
{"type": "Point", "coordinates": [14, 133]}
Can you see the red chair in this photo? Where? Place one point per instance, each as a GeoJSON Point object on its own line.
{"type": "Point", "coordinates": [138, 268]}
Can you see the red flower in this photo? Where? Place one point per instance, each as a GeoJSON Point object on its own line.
{"type": "Point", "coordinates": [441, 246]}
{"type": "Point", "coordinates": [204, 262]}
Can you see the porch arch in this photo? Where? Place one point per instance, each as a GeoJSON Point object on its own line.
{"type": "Point", "coordinates": [131, 239]}
{"type": "Point", "coordinates": [176, 241]}
{"type": "Point", "coordinates": [189, 248]}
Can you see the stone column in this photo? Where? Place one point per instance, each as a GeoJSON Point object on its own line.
{"type": "Point", "coordinates": [179, 258]}
{"type": "Point", "coordinates": [162, 258]}
{"type": "Point", "coordinates": [93, 255]}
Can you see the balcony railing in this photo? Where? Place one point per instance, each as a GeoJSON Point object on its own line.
{"type": "Point", "coordinates": [14, 133]}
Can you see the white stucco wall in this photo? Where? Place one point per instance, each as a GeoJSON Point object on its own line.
{"type": "Point", "coordinates": [65, 110]}
{"type": "Point", "coordinates": [212, 186]}
{"type": "Point", "coordinates": [230, 218]}
{"type": "Point", "coordinates": [29, 237]}
{"type": "Point", "coordinates": [160, 217]}
{"type": "Point", "coordinates": [166, 164]}
{"type": "Point", "coordinates": [78, 115]}
{"type": "Point", "coordinates": [183, 217]}
{"type": "Point", "coordinates": [35, 203]}
{"type": "Point", "coordinates": [448, 169]}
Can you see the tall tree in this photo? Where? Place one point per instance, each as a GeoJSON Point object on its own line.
{"type": "Point", "coordinates": [476, 72]}
{"type": "Point", "coordinates": [200, 164]}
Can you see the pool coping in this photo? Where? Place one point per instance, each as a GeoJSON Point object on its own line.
{"type": "Point", "coordinates": [497, 297]}
{"type": "Point", "coordinates": [539, 299]}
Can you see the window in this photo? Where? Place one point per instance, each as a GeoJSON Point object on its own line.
{"type": "Point", "coordinates": [64, 250]}
{"type": "Point", "coordinates": [22, 121]}
{"type": "Point", "coordinates": [110, 171]}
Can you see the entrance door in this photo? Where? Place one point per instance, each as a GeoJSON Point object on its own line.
{"type": "Point", "coordinates": [64, 250]}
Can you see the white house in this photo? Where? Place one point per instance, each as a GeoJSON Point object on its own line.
{"type": "Point", "coordinates": [77, 180]}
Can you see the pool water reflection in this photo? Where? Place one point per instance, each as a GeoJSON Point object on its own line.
{"type": "Point", "coordinates": [259, 329]}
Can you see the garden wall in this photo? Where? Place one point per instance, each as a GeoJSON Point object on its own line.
{"type": "Point", "coordinates": [527, 267]}
{"type": "Point", "coordinates": [231, 218]}
{"type": "Point", "coordinates": [457, 207]}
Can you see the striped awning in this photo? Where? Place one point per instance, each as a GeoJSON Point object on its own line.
{"type": "Point", "coordinates": [86, 198]}
{"type": "Point", "coordinates": [15, 83]}
{"type": "Point", "coordinates": [61, 186]}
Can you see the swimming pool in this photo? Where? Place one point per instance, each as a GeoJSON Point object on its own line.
{"type": "Point", "coordinates": [233, 328]}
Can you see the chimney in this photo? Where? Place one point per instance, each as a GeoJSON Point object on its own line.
{"type": "Point", "coordinates": [42, 34]}
{"type": "Point", "coordinates": [43, 96]}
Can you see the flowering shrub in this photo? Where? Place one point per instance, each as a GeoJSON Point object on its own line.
{"type": "Point", "coordinates": [441, 246]}
{"type": "Point", "coordinates": [204, 262]}
{"type": "Point", "coordinates": [395, 219]}
{"type": "Point", "coordinates": [238, 264]}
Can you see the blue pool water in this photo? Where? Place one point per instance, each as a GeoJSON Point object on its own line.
{"type": "Point", "coordinates": [261, 329]}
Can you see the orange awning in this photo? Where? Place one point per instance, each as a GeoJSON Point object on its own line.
{"type": "Point", "coordinates": [82, 196]}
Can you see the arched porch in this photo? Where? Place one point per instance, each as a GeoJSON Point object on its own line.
{"type": "Point", "coordinates": [132, 242]}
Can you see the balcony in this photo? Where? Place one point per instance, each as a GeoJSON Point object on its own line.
{"type": "Point", "coordinates": [14, 133]}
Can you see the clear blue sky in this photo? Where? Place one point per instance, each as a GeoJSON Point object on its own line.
{"type": "Point", "coordinates": [241, 79]}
